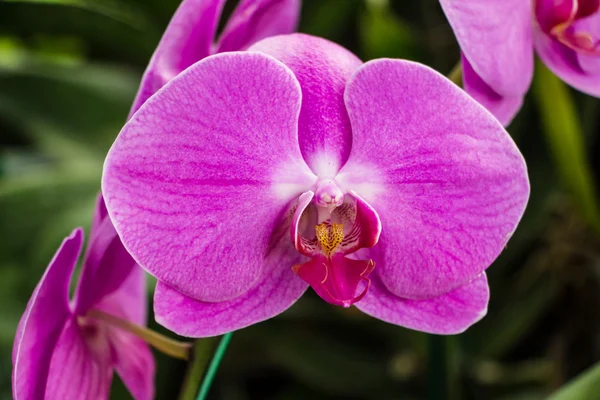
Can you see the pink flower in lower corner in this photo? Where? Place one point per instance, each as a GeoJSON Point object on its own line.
{"type": "Point", "coordinates": [498, 39]}
{"type": "Point", "coordinates": [62, 351]}
{"type": "Point", "coordinates": [255, 174]}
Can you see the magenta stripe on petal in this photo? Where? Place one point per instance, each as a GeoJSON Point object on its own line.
{"type": "Point", "coordinates": [446, 179]}
{"type": "Point", "coordinates": [200, 178]}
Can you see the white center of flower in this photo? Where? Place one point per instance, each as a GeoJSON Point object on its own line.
{"type": "Point", "coordinates": [328, 195]}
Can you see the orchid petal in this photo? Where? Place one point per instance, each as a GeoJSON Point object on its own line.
{"type": "Point", "coordinates": [495, 36]}
{"type": "Point", "coordinates": [277, 289]}
{"type": "Point", "coordinates": [298, 223]}
{"type": "Point", "coordinates": [43, 321]}
{"type": "Point", "coordinates": [253, 20]}
{"type": "Point", "coordinates": [187, 39]}
{"type": "Point", "coordinates": [450, 313]}
{"type": "Point", "coordinates": [590, 61]}
{"type": "Point", "coordinates": [134, 363]}
{"type": "Point", "coordinates": [448, 182]}
{"type": "Point", "coordinates": [107, 265]}
{"type": "Point", "coordinates": [81, 367]}
{"type": "Point", "coordinates": [504, 108]}
{"type": "Point", "coordinates": [590, 64]}
{"type": "Point", "coordinates": [200, 177]}
{"type": "Point", "coordinates": [322, 68]}
{"type": "Point", "coordinates": [550, 13]}
{"type": "Point", "coordinates": [565, 63]}
{"type": "Point", "coordinates": [129, 301]}
{"type": "Point", "coordinates": [100, 213]}
{"type": "Point", "coordinates": [132, 357]}
{"type": "Point", "coordinates": [366, 229]}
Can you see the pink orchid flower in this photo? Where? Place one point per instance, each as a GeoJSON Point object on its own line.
{"type": "Point", "coordinates": [498, 38]}
{"type": "Point", "coordinates": [253, 175]}
{"type": "Point", "coordinates": [64, 350]}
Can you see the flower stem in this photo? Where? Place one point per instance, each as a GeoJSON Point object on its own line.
{"type": "Point", "coordinates": [161, 343]}
{"type": "Point", "coordinates": [196, 368]}
{"type": "Point", "coordinates": [437, 380]}
{"type": "Point", "coordinates": [444, 368]}
{"type": "Point", "coordinates": [456, 74]}
{"type": "Point", "coordinates": [214, 366]}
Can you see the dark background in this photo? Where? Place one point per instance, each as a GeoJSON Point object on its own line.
{"type": "Point", "coordinates": [68, 72]}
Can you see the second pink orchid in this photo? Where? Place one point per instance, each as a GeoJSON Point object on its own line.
{"type": "Point", "coordinates": [498, 38]}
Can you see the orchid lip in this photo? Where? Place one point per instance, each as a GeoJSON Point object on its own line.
{"type": "Point", "coordinates": [327, 234]}
{"type": "Point", "coordinates": [331, 288]}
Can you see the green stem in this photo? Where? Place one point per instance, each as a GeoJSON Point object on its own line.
{"type": "Point", "coordinates": [214, 366]}
{"type": "Point", "coordinates": [161, 343]}
{"type": "Point", "coordinates": [437, 374]}
{"type": "Point", "coordinates": [564, 134]}
{"type": "Point", "coordinates": [456, 74]}
{"type": "Point", "coordinates": [201, 354]}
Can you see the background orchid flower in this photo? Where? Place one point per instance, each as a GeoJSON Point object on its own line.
{"type": "Point", "coordinates": [190, 35]}
{"type": "Point", "coordinates": [254, 174]}
{"type": "Point", "coordinates": [498, 37]}
{"type": "Point", "coordinates": [64, 350]}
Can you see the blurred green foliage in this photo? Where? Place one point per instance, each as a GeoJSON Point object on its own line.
{"type": "Point", "coordinates": [68, 72]}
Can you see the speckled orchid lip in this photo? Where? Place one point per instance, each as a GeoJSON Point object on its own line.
{"type": "Point", "coordinates": [327, 235]}
{"type": "Point", "coordinates": [498, 39]}
{"type": "Point", "coordinates": [255, 174]}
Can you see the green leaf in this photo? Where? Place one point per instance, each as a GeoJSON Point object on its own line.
{"type": "Point", "coordinates": [384, 34]}
{"type": "Point", "coordinates": [585, 386]}
{"type": "Point", "coordinates": [69, 112]}
{"type": "Point", "coordinates": [564, 134]}
{"type": "Point", "coordinates": [332, 19]}
{"type": "Point", "coordinates": [116, 10]}
{"type": "Point", "coordinates": [328, 362]}
{"type": "Point", "coordinates": [98, 36]}
{"type": "Point", "coordinates": [36, 213]}
{"type": "Point", "coordinates": [497, 333]}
